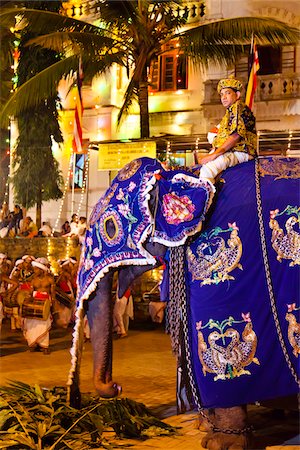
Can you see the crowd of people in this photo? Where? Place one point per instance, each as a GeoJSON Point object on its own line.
{"type": "Point", "coordinates": [13, 224]}
{"type": "Point", "coordinates": [32, 298]}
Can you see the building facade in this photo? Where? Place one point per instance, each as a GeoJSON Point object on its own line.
{"type": "Point", "coordinates": [183, 102]}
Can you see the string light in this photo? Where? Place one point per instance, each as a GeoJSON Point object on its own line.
{"type": "Point", "coordinates": [168, 151]}
{"type": "Point", "coordinates": [289, 142]}
{"type": "Point", "coordinates": [64, 194]}
{"type": "Point", "coordinates": [84, 183]}
{"type": "Point", "coordinates": [68, 247]}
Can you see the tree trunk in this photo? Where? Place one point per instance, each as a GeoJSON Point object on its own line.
{"type": "Point", "coordinates": [38, 220]}
{"type": "Point", "coordinates": [144, 107]}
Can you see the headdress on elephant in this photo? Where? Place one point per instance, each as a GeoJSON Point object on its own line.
{"type": "Point", "coordinates": [231, 83]}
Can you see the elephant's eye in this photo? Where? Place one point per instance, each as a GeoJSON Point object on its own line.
{"type": "Point", "coordinates": [111, 227]}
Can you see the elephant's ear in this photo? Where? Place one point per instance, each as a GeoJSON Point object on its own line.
{"type": "Point", "coordinates": [183, 201]}
{"type": "Point", "coordinates": [119, 225]}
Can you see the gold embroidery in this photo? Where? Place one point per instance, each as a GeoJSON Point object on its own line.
{"type": "Point", "coordinates": [215, 260]}
{"type": "Point", "coordinates": [129, 170]}
{"type": "Point", "coordinates": [287, 246]}
{"type": "Point", "coordinates": [279, 168]}
{"type": "Point", "coordinates": [293, 333]}
{"type": "Point", "coordinates": [227, 361]}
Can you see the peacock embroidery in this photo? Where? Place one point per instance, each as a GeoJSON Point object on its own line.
{"type": "Point", "coordinates": [215, 260]}
{"type": "Point", "coordinates": [279, 168]}
{"type": "Point", "coordinates": [293, 329]}
{"type": "Point", "coordinates": [286, 243]}
{"type": "Point", "coordinates": [227, 353]}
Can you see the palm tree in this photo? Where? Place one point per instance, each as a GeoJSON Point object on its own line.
{"type": "Point", "coordinates": [132, 33]}
{"type": "Point", "coordinates": [36, 176]}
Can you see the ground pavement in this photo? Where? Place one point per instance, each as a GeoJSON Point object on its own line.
{"type": "Point", "coordinates": [146, 368]}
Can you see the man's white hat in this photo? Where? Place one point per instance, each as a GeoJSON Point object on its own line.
{"type": "Point", "coordinates": [43, 260]}
{"type": "Point", "coordinates": [18, 262]}
{"type": "Point", "coordinates": [40, 266]}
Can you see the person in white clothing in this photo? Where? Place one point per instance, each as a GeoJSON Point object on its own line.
{"type": "Point", "coordinates": [123, 311]}
{"type": "Point", "coordinates": [36, 331]}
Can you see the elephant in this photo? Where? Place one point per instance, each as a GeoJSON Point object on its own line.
{"type": "Point", "coordinates": [231, 282]}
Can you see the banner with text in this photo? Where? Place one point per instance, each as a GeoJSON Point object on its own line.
{"type": "Point", "coordinates": [115, 155]}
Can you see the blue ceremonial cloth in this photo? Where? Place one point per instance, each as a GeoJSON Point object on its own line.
{"type": "Point", "coordinates": [243, 299]}
{"type": "Point", "coordinates": [122, 221]}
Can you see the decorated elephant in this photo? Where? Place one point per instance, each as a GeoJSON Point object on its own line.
{"type": "Point", "coordinates": [231, 282]}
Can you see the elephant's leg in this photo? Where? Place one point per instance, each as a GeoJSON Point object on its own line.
{"type": "Point", "coordinates": [227, 429]}
{"type": "Point", "coordinates": [100, 320]}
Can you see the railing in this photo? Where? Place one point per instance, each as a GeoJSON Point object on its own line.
{"type": "Point", "coordinates": [284, 143]}
{"type": "Point", "coordinates": [270, 87]}
{"type": "Point", "coordinates": [191, 11]}
{"type": "Point", "coordinates": [278, 87]}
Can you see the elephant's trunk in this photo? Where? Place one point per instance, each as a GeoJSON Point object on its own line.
{"type": "Point", "coordinates": [100, 320]}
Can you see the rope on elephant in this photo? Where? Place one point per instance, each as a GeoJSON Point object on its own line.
{"type": "Point", "coordinates": [268, 272]}
{"type": "Point", "coordinates": [176, 296]}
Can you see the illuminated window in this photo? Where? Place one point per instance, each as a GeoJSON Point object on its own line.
{"type": "Point", "coordinates": [169, 71]}
{"type": "Point", "coordinates": [272, 60]}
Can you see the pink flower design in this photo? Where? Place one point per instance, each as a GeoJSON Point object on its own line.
{"type": "Point", "coordinates": [291, 307]}
{"type": "Point", "coordinates": [89, 241]}
{"type": "Point", "coordinates": [233, 226]}
{"type": "Point", "coordinates": [124, 209]}
{"type": "Point", "coordinates": [120, 195]}
{"type": "Point", "coordinates": [198, 325]}
{"type": "Point", "coordinates": [177, 209]}
{"type": "Point", "coordinates": [246, 317]}
{"type": "Point", "coordinates": [274, 213]}
{"type": "Point", "coordinates": [89, 263]}
{"type": "Point", "coordinates": [131, 186]}
{"type": "Point", "coordinates": [96, 252]}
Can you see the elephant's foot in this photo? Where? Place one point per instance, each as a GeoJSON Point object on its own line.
{"type": "Point", "coordinates": [226, 429]}
{"type": "Point", "coordinates": [108, 390]}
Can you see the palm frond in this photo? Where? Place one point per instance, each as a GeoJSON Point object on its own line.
{"type": "Point", "coordinates": [204, 42]}
{"type": "Point", "coordinates": [28, 423]}
{"type": "Point", "coordinates": [239, 31]}
{"type": "Point", "coordinates": [76, 42]}
{"type": "Point", "coordinates": [41, 22]}
{"type": "Point", "coordinates": [38, 88]}
{"type": "Point", "coordinates": [129, 97]}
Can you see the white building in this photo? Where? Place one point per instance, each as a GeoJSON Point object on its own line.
{"type": "Point", "coordinates": [184, 103]}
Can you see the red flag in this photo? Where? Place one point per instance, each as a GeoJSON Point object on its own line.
{"type": "Point", "coordinates": [252, 82]}
{"type": "Point", "coordinates": [77, 134]}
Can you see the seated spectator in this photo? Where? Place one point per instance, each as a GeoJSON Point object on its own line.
{"type": "Point", "coordinates": [4, 215]}
{"type": "Point", "coordinates": [45, 230]}
{"type": "Point", "coordinates": [65, 228]}
{"type": "Point", "coordinates": [14, 225]}
{"type": "Point", "coordinates": [30, 229]}
{"type": "Point", "coordinates": [73, 227]}
{"type": "Point", "coordinates": [82, 229]}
